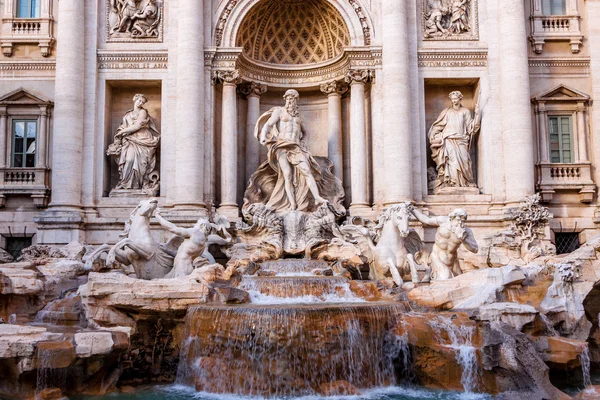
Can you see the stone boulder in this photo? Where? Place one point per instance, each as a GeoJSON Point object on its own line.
{"type": "Point", "coordinates": [6, 257]}
{"type": "Point", "coordinates": [513, 314]}
{"type": "Point", "coordinates": [470, 290]}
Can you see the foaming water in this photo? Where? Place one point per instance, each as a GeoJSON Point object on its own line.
{"type": "Point", "coordinates": [288, 351]}
{"type": "Point", "coordinates": [180, 392]}
{"type": "Point", "coordinates": [460, 340]}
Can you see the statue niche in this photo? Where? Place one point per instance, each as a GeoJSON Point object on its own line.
{"type": "Point", "coordinates": [134, 19]}
{"type": "Point", "coordinates": [134, 149]}
{"type": "Point", "coordinates": [292, 186]}
{"type": "Point", "coordinates": [451, 137]}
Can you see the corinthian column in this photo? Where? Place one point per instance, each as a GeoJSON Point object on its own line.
{"type": "Point", "coordinates": [397, 116]}
{"type": "Point", "coordinates": [62, 222]}
{"type": "Point", "coordinates": [252, 91]}
{"type": "Point", "coordinates": [517, 133]}
{"type": "Point", "coordinates": [335, 152]}
{"type": "Point", "coordinates": [190, 151]}
{"type": "Point", "coordinates": [358, 139]}
{"type": "Point", "coordinates": [229, 148]}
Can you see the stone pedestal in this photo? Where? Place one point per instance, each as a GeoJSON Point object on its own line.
{"type": "Point", "coordinates": [458, 191]}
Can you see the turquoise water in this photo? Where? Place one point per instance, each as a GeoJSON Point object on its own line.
{"type": "Point", "coordinates": [174, 392]}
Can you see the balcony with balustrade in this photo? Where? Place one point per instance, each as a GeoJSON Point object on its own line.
{"type": "Point", "coordinates": [32, 182]}
{"type": "Point", "coordinates": [555, 28]}
{"type": "Point", "coordinates": [15, 30]}
{"type": "Point", "coordinates": [553, 177]}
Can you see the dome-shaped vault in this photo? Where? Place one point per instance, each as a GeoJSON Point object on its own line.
{"type": "Point", "coordinates": [293, 32]}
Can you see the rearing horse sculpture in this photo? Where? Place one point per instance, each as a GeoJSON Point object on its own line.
{"type": "Point", "coordinates": [137, 248]}
{"type": "Point", "coordinates": [391, 246]}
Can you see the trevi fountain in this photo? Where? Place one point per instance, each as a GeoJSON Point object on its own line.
{"type": "Point", "coordinates": [334, 199]}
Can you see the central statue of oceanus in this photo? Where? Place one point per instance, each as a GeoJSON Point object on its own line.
{"type": "Point", "coordinates": [291, 179]}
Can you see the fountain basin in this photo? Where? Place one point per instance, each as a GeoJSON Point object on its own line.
{"type": "Point", "coordinates": [288, 351]}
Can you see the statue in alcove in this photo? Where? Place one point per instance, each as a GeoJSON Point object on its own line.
{"type": "Point", "coordinates": [451, 137]}
{"type": "Point", "coordinates": [134, 148]}
{"type": "Point", "coordinates": [291, 179]}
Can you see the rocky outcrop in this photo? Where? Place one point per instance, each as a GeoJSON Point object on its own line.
{"type": "Point", "coordinates": [33, 357]}
{"type": "Point", "coordinates": [467, 291]}
{"type": "Point", "coordinates": [513, 314]}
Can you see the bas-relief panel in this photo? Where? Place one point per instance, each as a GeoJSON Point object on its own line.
{"type": "Point", "coordinates": [134, 20]}
{"type": "Point", "coordinates": [450, 20]}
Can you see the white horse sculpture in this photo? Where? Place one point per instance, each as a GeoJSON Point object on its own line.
{"type": "Point", "coordinates": [137, 248]}
{"type": "Point", "coordinates": [391, 246]}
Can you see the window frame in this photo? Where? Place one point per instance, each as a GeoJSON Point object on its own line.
{"type": "Point", "coordinates": [13, 141]}
{"type": "Point", "coordinates": [549, 5]}
{"type": "Point", "coordinates": [33, 7]}
{"type": "Point", "coordinates": [560, 134]}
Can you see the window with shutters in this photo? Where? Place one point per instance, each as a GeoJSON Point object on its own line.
{"type": "Point", "coordinates": [561, 141]}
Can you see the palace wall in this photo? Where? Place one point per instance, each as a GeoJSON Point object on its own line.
{"type": "Point", "coordinates": [205, 160]}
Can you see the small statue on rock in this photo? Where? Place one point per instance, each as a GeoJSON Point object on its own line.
{"type": "Point", "coordinates": [197, 240]}
{"type": "Point", "coordinates": [451, 233]}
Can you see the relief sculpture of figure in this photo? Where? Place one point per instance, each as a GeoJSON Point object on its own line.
{"type": "Point", "coordinates": [459, 21]}
{"type": "Point", "coordinates": [290, 179]}
{"type": "Point", "coordinates": [134, 18]}
{"type": "Point", "coordinates": [451, 233]}
{"type": "Point", "coordinates": [134, 146]}
{"type": "Point", "coordinates": [433, 22]}
{"type": "Point", "coordinates": [197, 240]}
{"type": "Point", "coordinates": [146, 20]}
{"type": "Point", "coordinates": [451, 138]}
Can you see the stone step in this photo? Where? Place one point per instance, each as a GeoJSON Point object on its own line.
{"type": "Point", "coordinates": [296, 286]}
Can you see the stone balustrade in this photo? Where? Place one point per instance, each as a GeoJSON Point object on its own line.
{"type": "Point", "coordinates": [34, 182]}
{"type": "Point", "coordinates": [553, 177]}
{"type": "Point", "coordinates": [26, 30]}
{"type": "Point", "coordinates": [555, 28]}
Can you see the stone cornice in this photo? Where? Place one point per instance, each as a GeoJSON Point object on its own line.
{"type": "Point", "coordinates": [28, 65]}
{"type": "Point", "coordinates": [108, 60]}
{"type": "Point", "coordinates": [460, 58]}
{"type": "Point", "coordinates": [304, 76]}
{"type": "Point", "coordinates": [556, 62]}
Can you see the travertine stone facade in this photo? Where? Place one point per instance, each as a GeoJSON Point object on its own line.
{"type": "Point", "coordinates": [373, 77]}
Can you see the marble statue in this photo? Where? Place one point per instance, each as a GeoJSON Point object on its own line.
{"type": "Point", "coordinates": [451, 139]}
{"type": "Point", "coordinates": [290, 179]}
{"type": "Point", "coordinates": [197, 240]}
{"type": "Point", "coordinates": [135, 18]}
{"type": "Point", "coordinates": [137, 247]}
{"type": "Point", "coordinates": [445, 18]}
{"type": "Point", "coordinates": [451, 233]}
{"type": "Point", "coordinates": [391, 245]}
{"type": "Point", "coordinates": [135, 144]}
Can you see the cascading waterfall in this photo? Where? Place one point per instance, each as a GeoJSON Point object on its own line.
{"type": "Point", "coordinates": [584, 358]}
{"type": "Point", "coordinates": [288, 351]}
{"type": "Point", "coordinates": [460, 340]}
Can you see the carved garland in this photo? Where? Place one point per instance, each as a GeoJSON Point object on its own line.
{"type": "Point", "coordinates": [232, 3]}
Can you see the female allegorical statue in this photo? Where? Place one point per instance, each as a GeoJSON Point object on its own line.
{"type": "Point", "coordinates": [135, 147]}
{"type": "Point", "coordinates": [451, 137]}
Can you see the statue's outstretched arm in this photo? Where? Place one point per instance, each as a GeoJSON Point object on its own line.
{"type": "Point", "coordinates": [171, 227]}
{"type": "Point", "coordinates": [470, 243]}
{"type": "Point", "coordinates": [424, 219]}
{"type": "Point", "coordinates": [218, 240]}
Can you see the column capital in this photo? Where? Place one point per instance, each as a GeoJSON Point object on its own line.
{"type": "Point", "coordinates": [3, 110]}
{"type": "Point", "coordinates": [227, 77]}
{"type": "Point", "coordinates": [359, 76]}
{"type": "Point", "coordinates": [253, 89]}
{"type": "Point", "coordinates": [334, 88]}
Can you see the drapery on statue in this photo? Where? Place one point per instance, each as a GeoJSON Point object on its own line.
{"type": "Point", "coordinates": [290, 179]}
{"type": "Point", "coordinates": [134, 146]}
{"type": "Point", "coordinates": [451, 233]}
{"type": "Point", "coordinates": [139, 19]}
{"type": "Point", "coordinates": [451, 138]}
{"type": "Point", "coordinates": [196, 241]}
